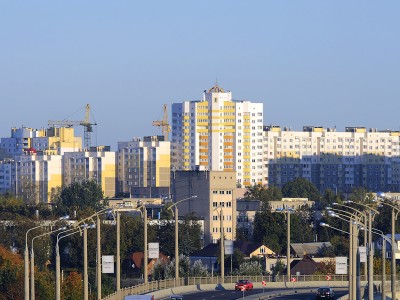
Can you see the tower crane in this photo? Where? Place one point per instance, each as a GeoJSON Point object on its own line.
{"type": "Point", "coordinates": [165, 127]}
{"type": "Point", "coordinates": [87, 126]}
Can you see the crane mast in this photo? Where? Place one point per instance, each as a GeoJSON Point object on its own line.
{"type": "Point", "coordinates": [165, 127]}
{"type": "Point", "coordinates": [87, 126]}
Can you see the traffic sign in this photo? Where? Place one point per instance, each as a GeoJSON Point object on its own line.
{"type": "Point", "coordinates": [264, 282]}
{"type": "Point", "coordinates": [293, 279]}
{"type": "Point", "coordinates": [243, 288]}
{"type": "Point", "coordinates": [328, 277]}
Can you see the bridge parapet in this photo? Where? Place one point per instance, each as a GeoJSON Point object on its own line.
{"type": "Point", "coordinates": [193, 283]}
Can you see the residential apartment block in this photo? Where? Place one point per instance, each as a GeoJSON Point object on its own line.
{"type": "Point", "coordinates": [144, 167]}
{"type": "Point", "coordinates": [215, 193]}
{"type": "Point", "coordinates": [98, 164]}
{"type": "Point", "coordinates": [331, 159]}
{"type": "Point", "coordinates": [36, 162]}
{"type": "Point", "coordinates": [219, 134]}
{"type": "Point", "coordinates": [35, 175]}
{"type": "Point", "coordinates": [55, 140]}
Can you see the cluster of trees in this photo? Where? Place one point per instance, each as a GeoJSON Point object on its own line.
{"type": "Point", "coordinates": [270, 227]}
{"type": "Point", "coordinates": [79, 200]}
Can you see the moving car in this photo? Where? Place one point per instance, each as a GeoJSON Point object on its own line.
{"type": "Point", "coordinates": [325, 292]}
{"type": "Point", "coordinates": [245, 284]}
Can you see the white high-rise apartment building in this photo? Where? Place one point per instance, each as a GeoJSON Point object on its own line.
{"type": "Point", "coordinates": [219, 134]}
{"type": "Point", "coordinates": [356, 157]}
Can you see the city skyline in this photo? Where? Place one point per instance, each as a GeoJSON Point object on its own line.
{"type": "Point", "coordinates": [310, 63]}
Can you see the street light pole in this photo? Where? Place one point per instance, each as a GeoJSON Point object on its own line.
{"type": "Point", "coordinates": [176, 246]}
{"type": "Point", "coordinates": [118, 265]}
{"type": "Point", "coordinates": [26, 257]}
{"type": "Point", "coordinates": [222, 247]}
{"type": "Point", "coordinates": [383, 268]}
{"type": "Point", "coordinates": [287, 217]}
{"type": "Point", "coordinates": [393, 242]}
{"type": "Point", "coordinates": [393, 255]}
{"type": "Point", "coordinates": [370, 259]}
{"type": "Point", "coordinates": [145, 271]}
{"type": "Point", "coordinates": [98, 269]}
{"type": "Point", "coordinates": [353, 293]}
{"type": "Point", "coordinates": [85, 266]}
{"type": "Point", "coordinates": [370, 211]}
{"type": "Point", "coordinates": [384, 240]}
{"type": "Point", "coordinates": [177, 235]}
{"type": "Point", "coordinates": [33, 260]}
{"type": "Point", "coordinates": [354, 254]}
{"type": "Point", "coordinates": [32, 273]}
{"type": "Point", "coordinates": [58, 262]}
{"type": "Point", "coordinates": [288, 246]}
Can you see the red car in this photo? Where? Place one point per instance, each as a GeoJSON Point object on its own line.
{"type": "Point", "coordinates": [243, 284]}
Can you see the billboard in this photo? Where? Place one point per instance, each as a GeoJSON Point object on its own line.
{"type": "Point", "coordinates": [341, 265]}
{"type": "Point", "coordinates": [107, 265]}
{"type": "Point", "coordinates": [228, 246]}
{"type": "Point", "coordinates": [363, 254]}
{"type": "Point", "coordinates": [154, 250]}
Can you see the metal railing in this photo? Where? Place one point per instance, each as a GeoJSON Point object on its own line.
{"type": "Point", "coordinates": [152, 286]}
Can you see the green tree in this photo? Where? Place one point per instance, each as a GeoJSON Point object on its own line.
{"type": "Point", "coordinates": [278, 268]}
{"type": "Point", "coordinates": [158, 271]}
{"type": "Point", "coordinates": [83, 197]}
{"type": "Point", "coordinates": [301, 188]}
{"type": "Point", "coordinates": [358, 195]}
{"type": "Point", "coordinates": [198, 269]}
{"type": "Point", "coordinates": [45, 285]}
{"type": "Point", "coordinates": [258, 192]}
{"type": "Point", "coordinates": [328, 198]}
{"type": "Point", "coordinates": [250, 268]}
{"type": "Point", "coordinates": [268, 229]}
{"type": "Point", "coordinates": [301, 228]}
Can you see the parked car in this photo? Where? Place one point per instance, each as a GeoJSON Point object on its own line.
{"type": "Point", "coordinates": [245, 284]}
{"type": "Point", "coordinates": [325, 292]}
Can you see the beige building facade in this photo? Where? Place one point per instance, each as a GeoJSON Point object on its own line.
{"type": "Point", "coordinates": [215, 193]}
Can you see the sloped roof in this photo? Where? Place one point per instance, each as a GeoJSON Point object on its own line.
{"type": "Point", "coordinates": [306, 266]}
{"type": "Point", "coordinates": [309, 248]}
{"type": "Point", "coordinates": [212, 250]}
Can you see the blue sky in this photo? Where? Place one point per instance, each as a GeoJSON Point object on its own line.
{"type": "Point", "coordinates": [322, 63]}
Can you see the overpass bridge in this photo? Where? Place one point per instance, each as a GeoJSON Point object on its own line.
{"type": "Point", "coordinates": [163, 288]}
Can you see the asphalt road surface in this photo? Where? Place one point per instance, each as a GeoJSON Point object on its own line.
{"type": "Point", "coordinates": [308, 296]}
{"type": "Point", "coordinates": [234, 295]}
{"type": "Point", "coordinates": [222, 295]}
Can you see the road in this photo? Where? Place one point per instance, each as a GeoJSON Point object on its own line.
{"type": "Point", "coordinates": [219, 295]}
{"type": "Point", "coordinates": [308, 296]}
{"type": "Point", "coordinates": [233, 295]}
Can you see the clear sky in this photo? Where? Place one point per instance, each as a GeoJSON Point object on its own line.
{"type": "Point", "coordinates": [322, 63]}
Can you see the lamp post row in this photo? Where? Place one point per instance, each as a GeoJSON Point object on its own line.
{"type": "Point", "coordinates": [83, 231]}
{"type": "Point", "coordinates": [371, 212]}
